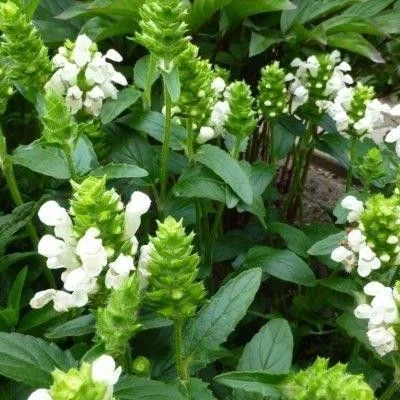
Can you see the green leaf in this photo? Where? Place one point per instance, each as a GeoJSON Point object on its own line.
{"type": "Point", "coordinates": [152, 123]}
{"type": "Point", "coordinates": [10, 259]}
{"type": "Point", "coordinates": [198, 390]}
{"type": "Point", "coordinates": [354, 327]}
{"type": "Point", "coordinates": [30, 360]}
{"type": "Point", "coordinates": [217, 319]}
{"type": "Point", "coordinates": [270, 350]}
{"type": "Point", "coordinates": [84, 156]}
{"type": "Point", "coordinates": [355, 43]}
{"type": "Point", "coordinates": [282, 264]}
{"type": "Point", "coordinates": [368, 8]}
{"type": "Point", "coordinates": [14, 297]}
{"type": "Point", "coordinates": [141, 71]}
{"type": "Point", "coordinates": [133, 388]}
{"type": "Point", "coordinates": [202, 10]}
{"type": "Point", "coordinates": [119, 171]}
{"type": "Point", "coordinates": [295, 239]}
{"type": "Point", "coordinates": [171, 79]}
{"type": "Point", "coordinates": [252, 381]}
{"type": "Point", "coordinates": [231, 245]}
{"type": "Point", "coordinates": [261, 175]}
{"type": "Point", "coordinates": [327, 245]}
{"type": "Point", "coordinates": [45, 160]}
{"type": "Point", "coordinates": [343, 285]}
{"type": "Point", "coordinates": [259, 43]}
{"type": "Point", "coordinates": [76, 327]}
{"type": "Point", "coordinates": [388, 22]}
{"type": "Point", "coordinates": [235, 12]}
{"type": "Point", "coordinates": [203, 183]}
{"type": "Point", "coordinates": [350, 23]}
{"type": "Point", "coordinates": [227, 168]}
{"type": "Point", "coordinates": [113, 108]}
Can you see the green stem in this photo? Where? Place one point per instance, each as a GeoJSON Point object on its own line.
{"type": "Point", "coordinates": [390, 391]}
{"type": "Point", "coordinates": [165, 147]}
{"type": "Point", "coordinates": [149, 83]}
{"type": "Point", "coordinates": [351, 161]}
{"type": "Point", "coordinates": [127, 361]}
{"type": "Point", "coordinates": [181, 368]}
{"type": "Point", "coordinates": [190, 138]}
{"type": "Point", "coordinates": [271, 133]}
{"type": "Point", "coordinates": [70, 161]}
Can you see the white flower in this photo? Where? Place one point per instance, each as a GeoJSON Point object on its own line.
{"type": "Point", "coordinates": [137, 206]}
{"type": "Point", "coordinates": [78, 279]}
{"type": "Point", "coordinates": [92, 253]}
{"type": "Point", "coordinates": [40, 394]}
{"type": "Point", "coordinates": [367, 261]}
{"type": "Point", "coordinates": [382, 339]}
{"type": "Point", "coordinates": [49, 246]}
{"type": "Point", "coordinates": [335, 56]}
{"type": "Point", "coordinates": [300, 97]}
{"type": "Point", "coordinates": [311, 65]}
{"type": "Point", "coordinates": [81, 53]}
{"type": "Point", "coordinates": [206, 133]}
{"type": "Point", "coordinates": [94, 101]}
{"type": "Point", "coordinates": [143, 263]}
{"type": "Point", "coordinates": [344, 256]}
{"type": "Point", "coordinates": [355, 206]}
{"type": "Point", "coordinates": [113, 55]}
{"type": "Point", "coordinates": [218, 85]}
{"type": "Point", "coordinates": [394, 137]}
{"type": "Point", "coordinates": [42, 298]}
{"type": "Point", "coordinates": [119, 271]}
{"type": "Point", "coordinates": [69, 73]}
{"type": "Point", "coordinates": [395, 111]}
{"type": "Point", "coordinates": [104, 370]}
{"type": "Point", "coordinates": [340, 116]}
{"type": "Point", "coordinates": [74, 99]}
{"type": "Point", "coordinates": [64, 301]}
{"type": "Point", "coordinates": [374, 288]}
{"type": "Point", "coordinates": [219, 115]}
{"type": "Point", "coordinates": [356, 240]}
{"type": "Point", "coordinates": [56, 84]}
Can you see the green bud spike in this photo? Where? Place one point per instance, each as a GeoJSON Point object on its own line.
{"type": "Point", "coordinates": [163, 28]}
{"type": "Point", "coordinates": [317, 83]}
{"type": "Point", "coordinates": [6, 89]}
{"type": "Point", "coordinates": [370, 167]}
{"type": "Point", "coordinates": [273, 99]}
{"type": "Point", "coordinates": [361, 96]}
{"type": "Point", "coordinates": [222, 73]}
{"type": "Point", "coordinates": [77, 385]}
{"type": "Point", "coordinates": [319, 382]}
{"type": "Point", "coordinates": [241, 120]}
{"type": "Point", "coordinates": [380, 224]}
{"type": "Point", "coordinates": [173, 291]}
{"type": "Point", "coordinates": [116, 323]}
{"type": "Point", "coordinates": [23, 48]}
{"type": "Point", "coordinates": [95, 207]}
{"type": "Point", "coordinates": [59, 125]}
{"type": "Point", "coordinates": [196, 78]}
{"type": "Point", "coordinates": [141, 366]}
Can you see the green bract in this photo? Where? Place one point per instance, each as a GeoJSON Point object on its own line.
{"type": "Point", "coordinates": [116, 322]}
{"type": "Point", "coordinates": [371, 166]}
{"type": "Point", "coordinates": [380, 223]}
{"type": "Point", "coordinates": [23, 48]}
{"type": "Point", "coordinates": [6, 89]}
{"type": "Point", "coordinates": [173, 291]}
{"type": "Point", "coordinates": [95, 207]}
{"type": "Point", "coordinates": [59, 126]}
{"type": "Point", "coordinates": [241, 119]}
{"type": "Point", "coordinates": [319, 382]}
{"type": "Point", "coordinates": [273, 98]}
{"type": "Point", "coordinates": [362, 94]}
{"type": "Point", "coordinates": [317, 82]}
{"type": "Point", "coordinates": [163, 28]}
{"type": "Point", "coordinates": [197, 95]}
{"type": "Point", "coordinates": [77, 385]}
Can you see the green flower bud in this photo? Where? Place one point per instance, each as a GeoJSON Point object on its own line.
{"type": "Point", "coordinates": [59, 126]}
{"type": "Point", "coordinates": [116, 323]}
{"type": "Point", "coordinates": [172, 290]}
{"type": "Point", "coordinates": [317, 84]}
{"type": "Point", "coordinates": [141, 366]}
{"type": "Point", "coordinates": [380, 224]}
{"type": "Point", "coordinates": [163, 28]}
{"type": "Point", "coordinates": [241, 120]}
{"type": "Point", "coordinates": [197, 95]}
{"type": "Point", "coordinates": [319, 382]}
{"type": "Point", "coordinates": [222, 73]}
{"type": "Point", "coordinates": [23, 48]}
{"type": "Point", "coordinates": [361, 96]}
{"type": "Point", "coordinates": [95, 207]}
{"type": "Point", "coordinates": [273, 98]}
{"type": "Point", "coordinates": [77, 385]}
{"type": "Point", "coordinates": [370, 167]}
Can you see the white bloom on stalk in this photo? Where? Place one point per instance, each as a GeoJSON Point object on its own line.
{"type": "Point", "coordinates": [143, 264]}
{"type": "Point", "coordinates": [104, 371]}
{"type": "Point", "coordinates": [81, 54]}
{"type": "Point", "coordinates": [94, 101]}
{"type": "Point", "coordinates": [49, 246]}
{"type": "Point", "coordinates": [138, 205]}
{"type": "Point", "coordinates": [356, 240]}
{"type": "Point", "coordinates": [40, 394]}
{"type": "Point", "coordinates": [218, 85]}
{"type": "Point", "coordinates": [311, 65]}
{"type": "Point", "coordinates": [78, 280]}
{"type": "Point", "coordinates": [382, 339]}
{"type": "Point", "coordinates": [339, 79]}
{"type": "Point", "coordinates": [343, 255]}
{"type": "Point", "coordinates": [119, 271]}
{"type": "Point", "coordinates": [206, 133]}
{"type": "Point", "coordinates": [219, 115]}
{"type": "Point", "coordinates": [355, 206]}
{"type": "Point", "coordinates": [63, 301]}
{"type": "Point", "coordinates": [74, 99]}
{"type": "Point", "coordinates": [367, 261]}
{"type": "Point", "coordinates": [91, 252]}
{"type": "Point", "coordinates": [298, 91]}
{"type": "Point", "coordinates": [394, 137]}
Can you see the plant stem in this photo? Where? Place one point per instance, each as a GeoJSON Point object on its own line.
{"type": "Point", "coordinates": [271, 132]}
{"type": "Point", "coordinates": [68, 155]}
{"type": "Point", "coordinates": [190, 138]}
{"type": "Point", "coordinates": [147, 91]}
{"type": "Point", "coordinates": [390, 391]}
{"type": "Point", "coordinates": [351, 161]}
{"type": "Point", "coordinates": [181, 369]}
{"type": "Point", "coordinates": [165, 146]}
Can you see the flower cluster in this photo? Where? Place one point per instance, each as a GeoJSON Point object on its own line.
{"type": "Point", "coordinates": [319, 382]}
{"type": "Point", "coordinates": [98, 232]}
{"type": "Point", "coordinates": [84, 76]}
{"type": "Point", "coordinates": [317, 79]}
{"type": "Point", "coordinates": [382, 314]}
{"type": "Point", "coordinates": [92, 381]}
